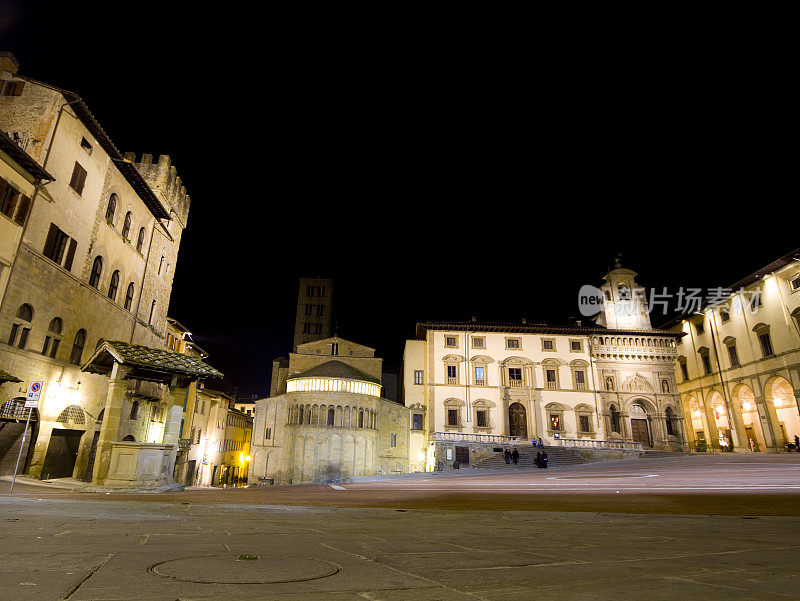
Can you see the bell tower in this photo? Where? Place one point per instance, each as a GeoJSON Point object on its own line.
{"type": "Point", "coordinates": [624, 301]}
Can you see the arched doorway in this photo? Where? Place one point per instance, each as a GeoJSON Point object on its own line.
{"type": "Point", "coordinates": [640, 432]}
{"type": "Point", "coordinates": [746, 402]}
{"type": "Point", "coordinates": [517, 422]}
{"type": "Point", "coordinates": [721, 420]}
{"type": "Point", "coordinates": [780, 394]}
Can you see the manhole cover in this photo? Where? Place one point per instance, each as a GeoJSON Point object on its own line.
{"type": "Point", "coordinates": [227, 569]}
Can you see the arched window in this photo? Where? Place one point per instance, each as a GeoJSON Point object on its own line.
{"type": "Point", "coordinates": [331, 415]}
{"type": "Point", "coordinates": [126, 228]}
{"type": "Point", "coordinates": [140, 240]}
{"type": "Point", "coordinates": [21, 326]}
{"type": "Point", "coordinates": [134, 410]}
{"type": "Point", "coordinates": [129, 297]}
{"type": "Point", "coordinates": [113, 286]}
{"type": "Point", "coordinates": [53, 338]}
{"type": "Point", "coordinates": [72, 413]}
{"type": "Point", "coordinates": [360, 419]}
{"type": "Point", "coordinates": [111, 209]}
{"type": "Point", "coordinates": [609, 383]}
{"type": "Point", "coordinates": [669, 417]}
{"type": "Point", "coordinates": [97, 270]}
{"type": "Point", "coordinates": [615, 419]}
{"type": "Point", "coordinates": [77, 347]}
{"type": "Point", "coordinates": [129, 438]}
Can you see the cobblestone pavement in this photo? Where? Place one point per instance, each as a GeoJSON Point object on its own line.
{"type": "Point", "coordinates": [62, 545]}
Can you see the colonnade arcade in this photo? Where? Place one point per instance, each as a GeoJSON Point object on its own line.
{"type": "Point", "coordinates": [333, 416]}
{"type": "Point", "coordinates": [744, 420]}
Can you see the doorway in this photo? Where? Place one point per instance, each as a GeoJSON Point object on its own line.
{"type": "Point", "coordinates": [640, 432]}
{"type": "Point", "coordinates": [190, 473]}
{"type": "Point", "coordinates": [62, 451]}
{"type": "Point", "coordinates": [462, 455]}
{"type": "Point", "coordinates": [517, 422]}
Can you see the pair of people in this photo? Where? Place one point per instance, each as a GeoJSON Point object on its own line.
{"type": "Point", "coordinates": [509, 456]}
{"type": "Point", "coordinates": [541, 460]}
{"type": "Point", "coordinates": [537, 444]}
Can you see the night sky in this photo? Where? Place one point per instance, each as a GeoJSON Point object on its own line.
{"type": "Point", "coordinates": [432, 178]}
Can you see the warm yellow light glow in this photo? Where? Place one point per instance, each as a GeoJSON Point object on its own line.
{"type": "Point", "coordinates": [332, 385]}
{"type": "Point", "coordinates": [747, 406]}
{"type": "Point", "coordinates": [248, 458]}
{"type": "Point", "coordinates": [696, 414]}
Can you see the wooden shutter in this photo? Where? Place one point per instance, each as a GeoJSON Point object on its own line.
{"type": "Point", "coordinates": [17, 89]}
{"type": "Point", "coordinates": [22, 211]}
{"type": "Point", "coordinates": [70, 254]}
{"type": "Point", "coordinates": [50, 243]}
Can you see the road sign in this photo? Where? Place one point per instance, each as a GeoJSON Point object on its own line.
{"type": "Point", "coordinates": [32, 400]}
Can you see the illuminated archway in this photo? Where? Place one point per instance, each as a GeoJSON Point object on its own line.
{"type": "Point", "coordinates": [779, 392]}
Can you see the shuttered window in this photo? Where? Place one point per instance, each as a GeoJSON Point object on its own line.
{"type": "Point", "coordinates": [78, 178]}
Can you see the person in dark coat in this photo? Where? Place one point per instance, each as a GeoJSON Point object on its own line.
{"type": "Point", "coordinates": [507, 456]}
{"type": "Point", "coordinates": [515, 456]}
{"type": "Point", "coordinates": [538, 460]}
{"type": "Point", "coordinates": [797, 443]}
{"type": "Point", "coordinates": [544, 460]}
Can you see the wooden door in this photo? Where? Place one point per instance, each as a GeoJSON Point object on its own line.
{"type": "Point", "coordinates": [517, 422]}
{"type": "Point", "coordinates": [639, 431]}
{"type": "Point", "coordinates": [62, 451]}
{"type": "Point", "coordinates": [462, 455]}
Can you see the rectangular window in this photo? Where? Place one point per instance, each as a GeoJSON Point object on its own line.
{"type": "Point", "coordinates": [550, 375]}
{"type": "Point", "coordinates": [583, 421]}
{"type": "Point", "coordinates": [548, 345]}
{"type": "Point", "coordinates": [684, 372]}
{"type": "Point", "coordinates": [576, 346]}
{"type": "Point", "coordinates": [513, 343]}
{"type": "Point", "coordinates": [480, 375]}
{"type": "Point", "coordinates": [451, 341]}
{"type": "Point", "coordinates": [733, 355]}
{"type": "Point", "coordinates": [86, 146]}
{"type": "Point", "coordinates": [452, 374]}
{"type": "Point", "coordinates": [483, 418]}
{"type": "Point", "coordinates": [23, 209]}
{"type": "Point", "coordinates": [795, 283]}
{"type": "Point", "coordinates": [706, 363]}
{"type": "Point", "coordinates": [766, 344]}
{"type": "Point", "coordinates": [55, 244]}
{"type": "Point", "coordinates": [555, 421]}
{"type": "Point", "coordinates": [725, 316]}
{"type": "Point", "coordinates": [419, 376]}
{"type": "Point", "coordinates": [268, 433]}
{"type": "Point", "coordinates": [452, 417]}
{"type": "Point", "coordinates": [11, 88]}
{"type": "Point", "coordinates": [755, 300]}
{"type": "Point", "coordinates": [580, 377]}
{"type": "Point", "coordinates": [334, 348]}
{"type": "Point", "coordinates": [78, 178]}
{"type": "Point", "coordinates": [393, 442]}
{"type": "Point", "coordinates": [8, 199]}
{"type": "Point", "coordinates": [478, 342]}
{"type": "Point", "coordinates": [699, 327]}
{"type": "Point", "coordinates": [515, 374]}
{"type": "Point", "coordinates": [416, 421]}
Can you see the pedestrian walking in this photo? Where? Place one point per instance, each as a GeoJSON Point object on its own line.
{"type": "Point", "coordinates": [538, 460]}
{"type": "Point", "coordinates": [797, 443]}
{"type": "Point", "coordinates": [515, 456]}
{"type": "Point", "coordinates": [507, 456]}
{"type": "Point", "coordinates": [544, 460]}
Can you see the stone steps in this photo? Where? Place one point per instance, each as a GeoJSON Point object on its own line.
{"type": "Point", "coordinates": [556, 457]}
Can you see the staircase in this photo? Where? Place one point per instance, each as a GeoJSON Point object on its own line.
{"type": "Point", "coordinates": [651, 454]}
{"type": "Point", "coordinates": [556, 457]}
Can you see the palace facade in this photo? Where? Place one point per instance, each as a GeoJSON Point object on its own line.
{"type": "Point", "coordinates": [738, 364]}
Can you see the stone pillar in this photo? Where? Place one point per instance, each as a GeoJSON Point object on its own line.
{"type": "Point", "coordinates": [117, 386]}
{"type": "Point", "coordinates": [740, 442]}
{"type": "Point", "coordinates": [769, 424]}
{"type": "Point", "coordinates": [172, 425]}
{"type": "Point", "coordinates": [711, 423]}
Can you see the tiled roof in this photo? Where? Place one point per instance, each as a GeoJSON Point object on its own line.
{"type": "Point", "coordinates": [335, 369]}
{"type": "Point", "coordinates": [161, 360]}
{"type": "Point", "coordinates": [7, 377]}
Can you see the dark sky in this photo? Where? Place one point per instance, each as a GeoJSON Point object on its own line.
{"type": "Point", "coordinates": [433, 175]}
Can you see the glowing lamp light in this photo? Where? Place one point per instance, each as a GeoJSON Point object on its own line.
{"type": "Point", "coordinates": [696, 413]}
{"type": "Point", "coordinates": [248, 458]}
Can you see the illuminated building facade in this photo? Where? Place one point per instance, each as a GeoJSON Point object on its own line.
{"type": "Point", "coordinates": [328, 421]}
{"type": "Point", "coordinates": [95, 262]}
{"type": "Point", "coordinates": [483, 385]}
{"type": "Point", "coordinates": [738, 366]}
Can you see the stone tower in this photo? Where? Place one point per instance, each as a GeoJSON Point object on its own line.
{"type": "Point", "coordinates": [314, 304]}
{"type": "Point", "coordinates": [624, 301]}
